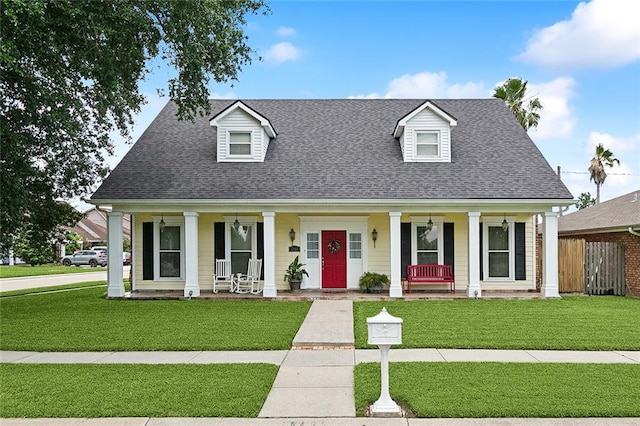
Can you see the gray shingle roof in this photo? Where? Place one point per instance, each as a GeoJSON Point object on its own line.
{"type": "Point", "coordinates": [618, 213]}
{"type": "Point", "coordinates": [337, 149]}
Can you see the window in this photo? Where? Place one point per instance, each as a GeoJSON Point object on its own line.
{"type": "Point", "coordinates": [240, 143]}
{"type": "Point", "coordinates": [427, 246]}
{"type": "Point", "coordinates": [313, 245]}
{"type": "Point", "coordinates": [427, 144]}
{"type": "Point", "coordinates": [499, 252]}
{"type": "Point", "coordinates": [242, 247]}
{"type": "Point", "coordinates": [169, 249]}
{"type": "Point", "coordinates": [355, 246]}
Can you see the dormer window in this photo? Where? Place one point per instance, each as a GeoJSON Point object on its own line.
{"type": "Point", "coordinates": [239, 144]}
{"type": "Point", "coordinates": [427, 144]}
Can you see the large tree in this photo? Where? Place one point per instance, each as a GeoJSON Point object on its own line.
{"type": "Point", "coordinates": [526, 110]}
{"type": "Point", "coordinates": [69, 75]}
{"type": "Point", "coordinates": [603, 157]}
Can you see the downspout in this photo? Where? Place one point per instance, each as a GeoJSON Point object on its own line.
{"type": "Point", "coordinates": [631, 231]}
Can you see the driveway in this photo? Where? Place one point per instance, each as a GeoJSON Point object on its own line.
{"type": "Point", "coordinates": [10, 284]}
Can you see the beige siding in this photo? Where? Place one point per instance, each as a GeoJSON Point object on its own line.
{"type": "Point", "coordinates": [379, 256]}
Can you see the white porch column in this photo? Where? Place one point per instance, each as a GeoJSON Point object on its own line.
{"type": "Point", "coordinates": [11, 261]}
{"type": "Point", "coordinates": [269, 262]}
{"type": "Point", "coordinates": [473, 289]}
{"type": "Point", "coordinates": [115, 286]}
{"type": "Point", "coordinates": [549, 286]}
{"type": "Point", "coordinates": [395, 289]}
{"type": "Point", "coordinates": [191, 284]}
{"type": "Point", "coordinates": [63, 250]}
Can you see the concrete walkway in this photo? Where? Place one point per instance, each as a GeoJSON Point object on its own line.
{"type": "Point", "coordinates": [315, 381]}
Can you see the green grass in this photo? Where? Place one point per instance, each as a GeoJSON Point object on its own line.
{"type": "Point", "coordinates": [83, 320]}
{"type": "Point", "coordinates": [17, 271]}
{"type": "Point", "coordinates": [570, 323]}
{"type": "Point", "coordinates": [38, 290]}
{"type": "Point", "coordinates": [505, 390]}
{"type": "Point", "coordinates": [117, 390]}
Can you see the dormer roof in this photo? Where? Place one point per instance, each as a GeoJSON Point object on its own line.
{"type": "Point", "coordinates": [264, 122]}
{"type": "Point", "coordinates": [426, 105]}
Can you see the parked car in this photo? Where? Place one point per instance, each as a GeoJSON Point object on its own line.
{"type": "Point", "coordinates": [126, 258]}
{"type": "Point", "coordinates": [86, 257]}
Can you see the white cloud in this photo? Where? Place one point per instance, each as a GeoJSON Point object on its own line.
{"type": "Point", "coordinates": [428, 85]}
{"type": "Point", "coordinates": [617, 145]}
{"type": "Point", "coordinates": [600, 34]}
{"type": "Point", "coordinates": [286, 31]}
{"type": "Point", "coordinates": [282, 52]}
{"type": "Point", "coordinates": [556, 118]}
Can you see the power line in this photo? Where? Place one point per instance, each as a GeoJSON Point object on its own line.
{"type": "Point", "coordinates": [608, 174]}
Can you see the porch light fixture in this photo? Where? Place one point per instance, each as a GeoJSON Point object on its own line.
{"type": "Point", "coordinates": [505, 224]}
{"type": "Point", "coordinates": [429, 224]}
{"type": "Point", "coordinates": [374, 236]}
{"type": "Point", "coordinates": [236, 224]}
{"type": "Point", "coordinates": [292, 235]}
{"type": "Point", "coordinates": [161, 225]}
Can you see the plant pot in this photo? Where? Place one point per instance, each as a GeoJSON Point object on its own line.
{"type": "Point", "coordinates": [377, 288]}
{"type": "Point", "coordinates": [295, 285]}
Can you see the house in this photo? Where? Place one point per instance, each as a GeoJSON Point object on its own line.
{"type": "Point", "coordinates": [93, 228]}
{"type": "Point", "coordinates": [349, 185]}
{"type": "Point", "coordinates": [615, 220]}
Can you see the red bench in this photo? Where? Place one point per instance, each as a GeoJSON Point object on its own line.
{"type": "Point", "coordinates": [430, 274]}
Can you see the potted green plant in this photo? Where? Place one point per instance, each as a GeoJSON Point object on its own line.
{"type": "Point", "coordinates": [373, 282]}
{"type": "Point", "coordinates": [294, 274]}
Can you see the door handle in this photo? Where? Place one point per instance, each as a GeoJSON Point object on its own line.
{"type": "Point", "coordinates": [323, 263]}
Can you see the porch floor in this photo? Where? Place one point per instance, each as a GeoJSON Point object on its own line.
{"type": "Point", "coordinates": [326, 294]}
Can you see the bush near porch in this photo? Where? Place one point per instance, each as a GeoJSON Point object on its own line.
{"type": "Point", "coordinates": [83, 320]}
{"type": "Point", "coordinates": [571, 323]}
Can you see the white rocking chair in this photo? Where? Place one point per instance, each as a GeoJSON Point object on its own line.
{"type": "Point", "coordinates": [223, 276]}
{"type": "Point", "coordinates": [250, 283]}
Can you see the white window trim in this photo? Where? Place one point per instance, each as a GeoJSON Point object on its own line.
{"type": "Point", "coordinates": [244, 221]}
{"type": "Point", "coordinates": [422, 221]}
{"type": "Point", "coordinates": [169, 221]}
{"type": "Point", "coordinates": [497, 221]}
{"type": "Point", "coordinates": [438, 133]}
{"type": "Point", "coordinates": [240, 156]}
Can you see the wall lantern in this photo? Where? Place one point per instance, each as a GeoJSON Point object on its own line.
{"type": "Point", "coordinates": [374, 236]}
{"type": "Point", "coordinates": [161, 225]}
{"type": "Point", "coordinates": [292, 235]}
{"type": "Point", "coordinates": [429, 224]}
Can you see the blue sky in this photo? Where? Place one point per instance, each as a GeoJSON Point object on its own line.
{"type": "Point", "coordinates": [582, 60]}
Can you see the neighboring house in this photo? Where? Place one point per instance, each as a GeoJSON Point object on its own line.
{"type": "Point", "coordinates": [234, 186]}
{"type": "Point", "coordinates": [616, 220]}
{"type": "Point", "coordinates": [93, 229]}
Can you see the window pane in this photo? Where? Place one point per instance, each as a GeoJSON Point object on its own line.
{"type": "Point", "coordinates": [170, 238]}
{"type": "Point", "coordinates": [427, 240]}
{"type": "Point", "coordinates": [240, 262]}
{"type": "Point", "coordinates": [240, 137]}
{"type": "Point", "coordinates": [169, 263]}
{"type": "Point", "coordinates": [427, 149]}
{"type": "Point", "coordinates": [241, 238]}
{"type": "Point", "coordinates": [498, 238]}
{"type": "Point", "coordinates": [428, 258]}
{"type": "Point", "coordinates": [240, 149]}
{"type": "Point", "coordinates": [499, 264]}
{"type": "Point", "coordinates": [430, 138]}
{"type": "Point", "coordinates": [313, 245]}
{"type": "Point", "coordinates": [355, 246]}
{"type": "Point", "coordinates": [240, 143]}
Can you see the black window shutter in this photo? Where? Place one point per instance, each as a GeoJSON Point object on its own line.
{"type": "Point", "coordinates": [218, 240]}
{"type": "Point", "coordinates": [260, 247]}
{"type": "Point", "coordinates": [405, 248]}
{"type": "Point", "coordinates": [521, 264]}
{"type": "Point", "coordinates": [147, 250]}
{"type": "Point", "coordinates": [481, 258]}
{"type": "Point", "coordinates": [449, 252]}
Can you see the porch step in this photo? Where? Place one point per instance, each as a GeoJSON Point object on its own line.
{"type": "Point", "coordinates": [328, 324]}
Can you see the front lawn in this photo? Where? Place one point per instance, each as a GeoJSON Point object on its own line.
{"type": "Point", "coordinates": [505, 390]}
{"type": "Point", "coordinates": [17, 271]}
{"type": "Point", "coordinates": [124, 390]}
{"type": "Point", "coordinates": [83, 320]}
{"type": "Point", "coordinates": [570, 323]}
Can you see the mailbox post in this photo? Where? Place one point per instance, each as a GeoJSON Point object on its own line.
{"type": "Point", "coordinates": [384, 330]}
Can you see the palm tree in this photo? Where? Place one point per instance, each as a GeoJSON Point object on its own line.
{"type": "Point", "coordinates": [512, 92]}
{"type": "Point", "coordinates": [603, 157]}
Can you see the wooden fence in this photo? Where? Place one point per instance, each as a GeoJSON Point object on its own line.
{"type": "Point", "coordinates": [590, 267]}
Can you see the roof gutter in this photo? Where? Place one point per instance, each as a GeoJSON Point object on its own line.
{"type": "Point", "coordinates": [631, 231]}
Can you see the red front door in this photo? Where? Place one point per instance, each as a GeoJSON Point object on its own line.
{"type": "Point", "coordinates": [334, 259]}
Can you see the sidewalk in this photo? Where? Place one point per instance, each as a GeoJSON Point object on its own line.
{"type": "Point", "coordinates": [83, 275]}
{"type": "Point", "coordinates": [315, 382]}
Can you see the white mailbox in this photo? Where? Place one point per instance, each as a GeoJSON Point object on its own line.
{"type": "Point", "coordinates": [384, 329]}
